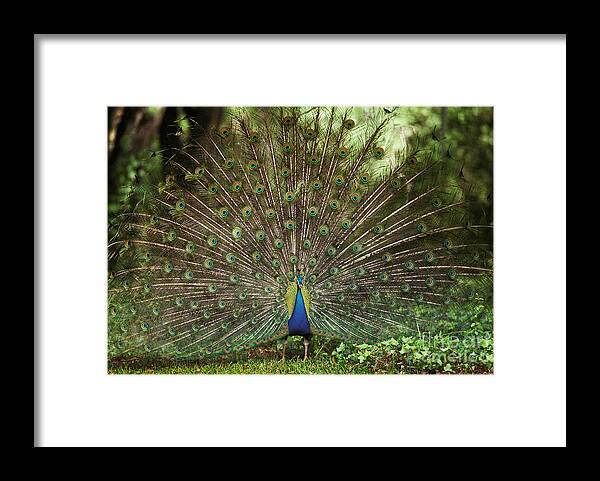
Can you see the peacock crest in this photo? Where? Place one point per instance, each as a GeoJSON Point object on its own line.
{"type": "Point", "coordinates": [379, 231]}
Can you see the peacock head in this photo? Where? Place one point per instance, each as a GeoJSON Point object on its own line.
{"type": "Point", "coordinates": [299, 278]}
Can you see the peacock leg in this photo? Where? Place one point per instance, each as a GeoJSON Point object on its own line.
{"type": "Point", "coordinates": [284, 346]}
{"type": "Point", "coordinates": [306, 344]}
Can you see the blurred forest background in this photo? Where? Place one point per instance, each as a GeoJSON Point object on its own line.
{"type": "Point", "coordinates": [136, 135]}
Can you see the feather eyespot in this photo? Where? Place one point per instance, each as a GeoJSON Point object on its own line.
{"type": "Point", "coordinates": [378, 229]}
{"type": "Point", "coordinates": [356, 248]}
{"type": "Point", "coordinates": [343, 152]}
{"type": "Point", "coordinates": [270, 214]}
{"type": "Point", "coordinates": [247, 212]}
{"type": "Point", "coordinates": [236, 233]}
{"type": "Point", "coordinates": [410, 266]}
{"type": "Point", "coordinates": [323, 230]}
{"type": "Point", "coordinates": [253, 136]}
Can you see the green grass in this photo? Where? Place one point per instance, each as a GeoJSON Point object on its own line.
{"type": "Point", "coordinates": [251, 366]}
{"type": "Point", "coordinates": [266, 366]}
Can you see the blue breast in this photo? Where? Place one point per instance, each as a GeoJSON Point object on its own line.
{"type": "Point", "coordinates": [298, 321]}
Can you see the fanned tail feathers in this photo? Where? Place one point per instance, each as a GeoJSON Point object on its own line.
{"type": "Point", "coordinates": [383, 239]}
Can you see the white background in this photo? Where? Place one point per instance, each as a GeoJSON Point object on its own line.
{"type": "Point", "coordinates": [523, 403]}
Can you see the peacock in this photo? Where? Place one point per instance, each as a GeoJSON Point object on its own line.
{"type": "Point", "coordinates": [293, 221]}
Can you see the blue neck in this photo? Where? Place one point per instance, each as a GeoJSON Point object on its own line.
{"type": "Point", "coordinates": [298, 321]}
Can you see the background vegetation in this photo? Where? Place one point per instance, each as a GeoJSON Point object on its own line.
{"type": "Point", "coordinates": [137, 134]}
{"type": "Point", "coordinates": [461, 342]}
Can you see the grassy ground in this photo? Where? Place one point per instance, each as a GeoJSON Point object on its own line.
{"type": "Point", "coordinates": [251, 366]}
{"type": "Point", "coordinates": [263, 366]}
{"type": "Point", "coordinates": [263, 360]}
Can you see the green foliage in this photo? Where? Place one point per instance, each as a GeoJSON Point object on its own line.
{"type": "Point", "coordinates": [461, 344]}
